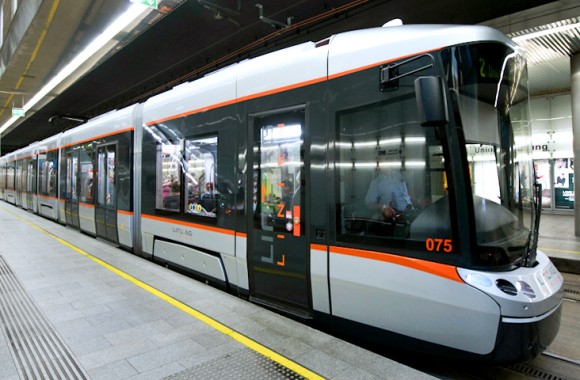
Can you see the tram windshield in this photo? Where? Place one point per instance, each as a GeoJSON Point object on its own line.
{"type": "Point", "coordinates": [488, 84]}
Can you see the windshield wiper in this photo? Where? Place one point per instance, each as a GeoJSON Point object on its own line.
{"type": "Point", "coordinates": [530, 256]}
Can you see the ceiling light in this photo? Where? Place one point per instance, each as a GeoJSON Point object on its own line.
{"type": "Point", "coordinates": [117, 26]}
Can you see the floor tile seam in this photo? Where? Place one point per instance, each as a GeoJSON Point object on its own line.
{"type": "Point", "coordinates": [206, 319]}
{"type": "Point", "coordinates": [107, 356]}
{"type": "Point", "coordinates": [152, 267]}
{"type": "Point", "coordinates": [165, 350]}
{"type": "Point", "coordinates": [39, 341]}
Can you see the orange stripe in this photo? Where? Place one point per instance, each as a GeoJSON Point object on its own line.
{"type": "Point", "coordinates": [239, 100]}
{"type": "Point", "coordinates": [48, 197]}
{"type": "Point", "coordinates": [352, 71]}
{"type": "Point", "coordinates": [319, 247]}
{"type": "Point", "coordinates": [48, 150]}
{"type": "Point", "coordinates": [130, 213]}
{"type": "Point", "coordinates": [242, 235]}
{"type": "Point", "coordinates": [287, 88]}
{"type": "Point", "coordinates": [249, 97]}
{"type": "Point", "coordinates": [85, 140]}
{"type": "Point", "coordinates": [22, 158]}
{"type": "Point", "coordinates": [282, 89]}
{"type": "Point", "coordinates": [88, 205]}
{"type": "Point", "coordinates": [198, 110]}
{"type": "Point", "coordinates": [442, 270]}
{"type": "Point", "coordinates": [187, 224]}
{"type": "Point", "coordinates": [99, 137]}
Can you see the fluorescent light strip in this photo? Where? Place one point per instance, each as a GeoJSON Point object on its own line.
{"type": "Point", "coordinates": [117, 26]}
{"type": "Point", "coordinates": [546, 32]}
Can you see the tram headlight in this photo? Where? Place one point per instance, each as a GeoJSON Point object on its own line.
{"type": "Point", "coordinates": [524, 288]}
{"type": "Point", "coordinates": [479, 279]}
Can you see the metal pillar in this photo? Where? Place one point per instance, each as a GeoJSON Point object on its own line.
{"type": "Point", "coordinates": [575, 86]}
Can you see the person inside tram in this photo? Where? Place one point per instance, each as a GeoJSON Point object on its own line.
{"type": "Point", "coordinates": [388, 194]}
{"type": "Point", "coordinates": [171, 201]}
{"type": "Point", "coordinates": [111, 189]}
{"type": "Point", "coordinates": [208, 199]}
{"type": "Point", "coordinates": [89, 197]}
{"type": "Point", "coordinates": [287, 195]}
{"type": "Point", "coordinates": [166, 188]}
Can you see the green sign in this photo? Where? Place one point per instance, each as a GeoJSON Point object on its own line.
{"type": "Point", "coordinates": [565, 195]}
{"type": "Point", "coordinates": [150, 3]}
{"type": "Point", "coordinates": [18, 112]}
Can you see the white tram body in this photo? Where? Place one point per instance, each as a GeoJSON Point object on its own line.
{"type": "Point", "coordinates": [457, 273]}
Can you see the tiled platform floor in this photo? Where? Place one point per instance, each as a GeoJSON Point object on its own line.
{"type": "Point", "coordinates": [117, 329]}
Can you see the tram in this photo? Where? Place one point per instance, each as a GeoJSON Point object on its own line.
{"type": "Point", "coordinates": [377, 182]}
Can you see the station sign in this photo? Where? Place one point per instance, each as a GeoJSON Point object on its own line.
{"type": "Point", "coordinates": [18, 112]}
{"type": "Point", "coordinates": [150, 3]}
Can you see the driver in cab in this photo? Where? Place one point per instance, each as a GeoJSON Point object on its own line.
{"type": "Point", "coordinates": [388, 193]}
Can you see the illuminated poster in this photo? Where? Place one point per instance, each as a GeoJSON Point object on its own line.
{"type": "Point", "coordinates": [542, 168]}
{"type": "Point", "coordinates": [564, 183]}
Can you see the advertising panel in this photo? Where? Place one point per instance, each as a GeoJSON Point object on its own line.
{"type": "Point", "coordinates": [564, 183]}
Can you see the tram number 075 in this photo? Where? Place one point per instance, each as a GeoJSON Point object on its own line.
{"type": "Point", "coordinates": [438, 245]}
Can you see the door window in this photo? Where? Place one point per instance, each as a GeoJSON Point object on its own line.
{"type": "Point", "coordinates": [31, 177]}
{"type": "Point", "coordinates": [277, 201]}
{"type": "Point", "coordinates": [279, 259]}
{"type": "Point", "coordinates": [102, 173]}
{"type": "Point", "coordinates": [111, 179]}
{"type": "Point", "coordinates": [71, 177]}
{"type": "Point", "coordinates": [106, 166]}
{"type": "Point", "coordinates": [18, 183]}
{"type": "Point", "coordinates": [86, 176]}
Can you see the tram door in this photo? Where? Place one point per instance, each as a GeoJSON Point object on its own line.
{"type": "Point", "coordinates": [31, 190]}
{"type": "Point", "coordinates": [71, 199]}
{"type": "Point", "coordinates": [106, 204]}
{"type": "Point", "coordinates": [18, 183]}
{"type": "Point", "coordinates": [278, 259]}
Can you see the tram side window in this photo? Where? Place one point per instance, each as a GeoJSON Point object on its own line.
{"type": "Point", "coordinates": [169, 168]}
{"type": "Point", "coordinates": [19, 176]}
{"type": "Point", "coordinates": [10, 176]}
{"type": "Point", "coordinates": [2, 177]}
{"type": "Point", "coordinates": [47, 174]}
{"type": "Point", "coordinates": [86, 165]}
{"type": "Point", "coordinates": [23, 169]}
{"type": "Point", "coordinates": [26, 168]}
{"type": "Point", "coordinates": [392, 183]}
{"type": "Point", "coordinates": [42, 174]}
{"type": "Point", "coordinates": [200, 177]}
{"type": "Point", "coordinates": [52, 172]}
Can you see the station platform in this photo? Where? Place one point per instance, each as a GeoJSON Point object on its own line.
{"type": "Point", "coordinates": [74, 307]}
{"type": "Point", "coordinates": [558, 241]}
